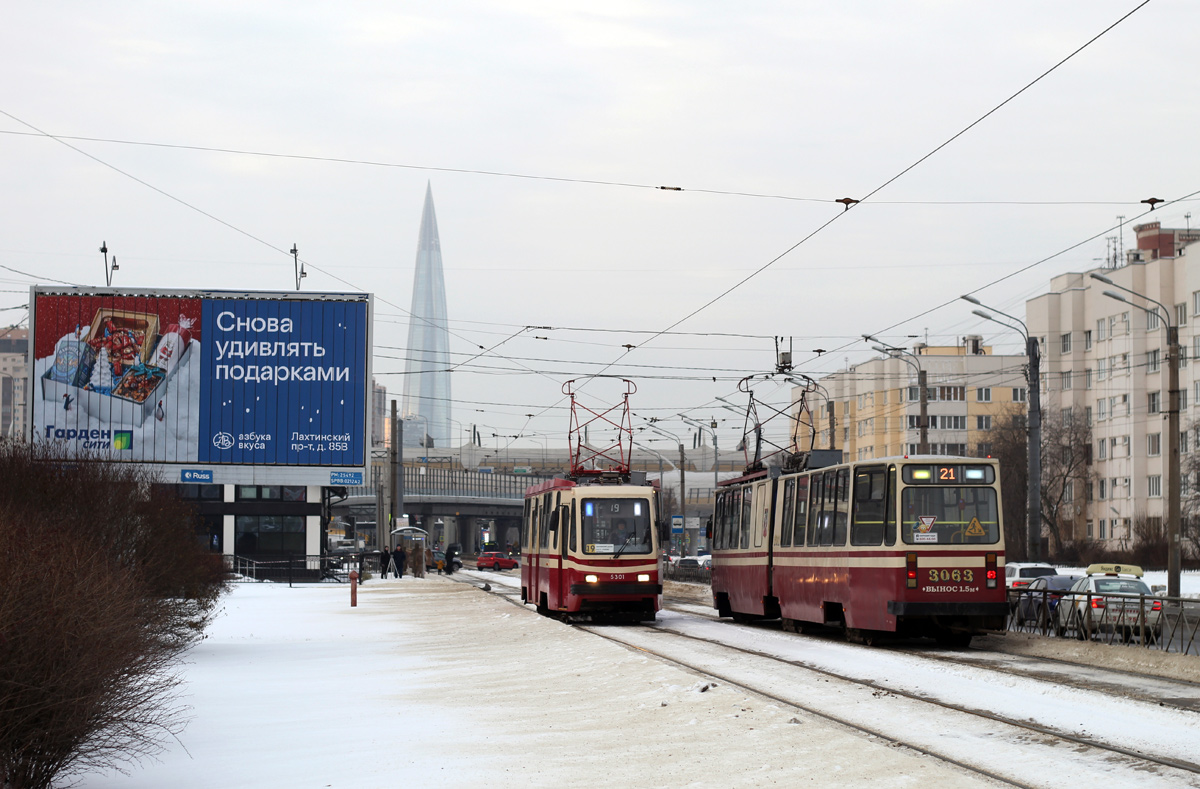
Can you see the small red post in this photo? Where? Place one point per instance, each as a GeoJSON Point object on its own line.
{"type": "Point", "coordinates": [353, 588]}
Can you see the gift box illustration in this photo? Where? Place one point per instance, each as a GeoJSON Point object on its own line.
{"type": "Point", "coordinates": [118, 368]}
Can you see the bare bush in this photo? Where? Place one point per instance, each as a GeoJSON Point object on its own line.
{"type": "Point", "coordinates": [104, 588]}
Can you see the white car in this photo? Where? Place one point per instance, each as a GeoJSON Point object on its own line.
{"type": "Point", "coordinates": [1111, 598]}
{"type": "Point", "coordinates": [1018, 574]}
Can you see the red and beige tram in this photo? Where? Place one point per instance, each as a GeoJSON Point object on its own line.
{"type": "Point", "coordinates": [591, 547]}
{"type": "Point", "coordinates": [911, 545]}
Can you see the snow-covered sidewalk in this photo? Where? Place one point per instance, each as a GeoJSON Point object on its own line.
{"type": "Point", "coordinates": [431, 681]}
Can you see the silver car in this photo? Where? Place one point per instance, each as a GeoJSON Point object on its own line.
{"type": "Point", "coordinates": [1113, 599]}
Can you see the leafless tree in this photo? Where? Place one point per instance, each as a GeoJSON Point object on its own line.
{"type": "Point", "coordinates": [104, 587]}
{"type": "Point", "coordinates": [1066, 470]}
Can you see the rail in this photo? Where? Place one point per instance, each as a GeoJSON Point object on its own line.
{"type": "Point", "coordinates": [1169, 624]}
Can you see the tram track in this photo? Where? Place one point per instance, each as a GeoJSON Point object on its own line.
{"type": "Point", "coordinates": [1085, 749]}
{"type": "Point", "coordinates": [1087, 754]}
{"type": "Point", "coordinates": [1170, 692]}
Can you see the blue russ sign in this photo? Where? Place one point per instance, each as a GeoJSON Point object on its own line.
{"type": "Point", "coordinates": [196, 475]}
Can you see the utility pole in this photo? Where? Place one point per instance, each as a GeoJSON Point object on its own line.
{"type": "Point", "coordinates": [1174, 490]}
{"type": "Point", "coordinates": [831, 408]}
{"type": "Point", "coordinates": [1034, 488]}
{"type": "Point", "coordinates": [923, 436]}
{"type": "Point", "coordinates": [396, 488]}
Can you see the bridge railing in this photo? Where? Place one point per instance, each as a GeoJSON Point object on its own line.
{"type": "Point", "coordinates": [430, 481]}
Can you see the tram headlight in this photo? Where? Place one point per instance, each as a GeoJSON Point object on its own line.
{"type": "Point", "coordinates": [591, 579]}
{"type": "Point", "coordinates": [643, 577]}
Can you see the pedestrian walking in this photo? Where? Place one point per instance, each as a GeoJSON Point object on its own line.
{"type": "Point", "coordinates": [398, 557]}
{"type": "Point", "coordinates": [385, 559]}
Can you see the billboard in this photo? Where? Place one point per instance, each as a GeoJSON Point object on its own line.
{"type": "Point", "coordinates": [231, 385]}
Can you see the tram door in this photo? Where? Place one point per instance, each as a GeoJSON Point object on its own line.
{"type": "Point", "coordinates": [560, 553]}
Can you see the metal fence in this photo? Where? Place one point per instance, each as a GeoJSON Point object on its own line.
{"type": "Point", "coordinates": [1169, 624]}
{"type": "Point", "coordinates": [700, 575]}
{"type": "Point", "coordinates": [299, 568]}
{"type": "Point", "coordinates": [433, 481]}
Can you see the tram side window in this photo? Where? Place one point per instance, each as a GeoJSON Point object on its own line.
{"type": "Point", "coordinates": [747, 514]}
{"type": "Point", "coordinates": [571, 525]}
{"type": "Point", "coordinates": [732, 507]}
{"type": "Point", "coordinates": [800, 514]}
{"type": "Point", "coordinates": [785, 526]}
{"type": "Point", "coordinates": [544, 520]}
{"type": "Point", "coordinates": [869, 503]}
{"type": "Point", "coordinates": [842, 515]}
{"type": "Point", "coordinates": [526, 543]}
{"type": "Point", "coordinates": [889, 510]}
{"type": "Point", "coordinates": [814, 509]}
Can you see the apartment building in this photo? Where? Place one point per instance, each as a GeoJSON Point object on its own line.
{"type": "Point", "coordinates": [873, 408]}
{"type": "Point", "coordinates": [1106, 361]}
{"type": "Point", "coordinates": [14, 369]}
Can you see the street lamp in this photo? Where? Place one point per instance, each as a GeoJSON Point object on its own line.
{"type": "Point", "coordinates": [1033, 504]}
{"type": "Point", "coordinates": [711, 428]}
{"type": "Point", "coordinates": [682, 465]}
{"type": "Point", "coordinates": [922, 381]}
{"type": "Point", "coordinates": [109, 268]}
{"type": "Point", "coordinates": [1173, 462]}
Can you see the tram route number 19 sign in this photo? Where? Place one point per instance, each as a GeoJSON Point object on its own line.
{"type": "Point", "coordinates": [213, 378]}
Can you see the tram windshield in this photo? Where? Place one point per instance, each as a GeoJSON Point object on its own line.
{"type": "Point", "coordinates": [617, 526]}
{"type": "Point", "coordinates": [950, 515]}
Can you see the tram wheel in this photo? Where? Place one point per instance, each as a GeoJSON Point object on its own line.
{"type": "Point", "coordinates": [741, 618]}
{"type": "Point", "coordinates": [953, 640]}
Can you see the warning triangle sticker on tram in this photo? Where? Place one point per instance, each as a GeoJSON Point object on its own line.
{"type": "Point", "coordinates": [975, 529]}
{"type": "Point", "coordinates": [927, 522]}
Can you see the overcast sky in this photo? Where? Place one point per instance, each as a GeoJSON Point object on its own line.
{"type": "Point", "coordinates": [805, 101]}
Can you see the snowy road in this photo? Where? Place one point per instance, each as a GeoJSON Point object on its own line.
{"type": "Point", "coordinates": [1097, 705]}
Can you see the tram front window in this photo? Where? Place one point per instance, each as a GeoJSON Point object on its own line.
{"type": "Point", "coordinates": [950, 515]}
{"type": "Point", "coordinates": [616, 526]}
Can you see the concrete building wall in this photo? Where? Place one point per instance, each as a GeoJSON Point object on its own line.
{"type": "Point", "coordinates": [1106, 360]}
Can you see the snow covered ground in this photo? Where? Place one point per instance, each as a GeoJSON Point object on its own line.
{"type": "Point", "coordinates": [432, 681]}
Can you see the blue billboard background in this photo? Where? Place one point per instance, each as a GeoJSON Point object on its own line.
{"type": "Point", "coordinates": [284, 382]}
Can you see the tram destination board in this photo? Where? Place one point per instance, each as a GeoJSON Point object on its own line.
{"type": "Point", "coordinates": [257, 387]}
{"type": "Point", "coordinates": [949, 474]}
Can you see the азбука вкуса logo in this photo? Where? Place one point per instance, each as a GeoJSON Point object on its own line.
{"type": "Point", "coordinates": [223, 441]}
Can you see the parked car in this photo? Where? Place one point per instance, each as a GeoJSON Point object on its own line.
{"type": "Point", "coordinates": [1018, 574]}
{"type": "Point", "coordinates": [439, 561]}
{"type": "Point", "coordinates": [1039, 600]}
{"type": "Point", "coordinates": [495, 560]}
{"type": "Point", "coordinates": [694, 563]}
{"type": "Point", "coordinates": [669, 560]}
{"type": "Point", "coordinates": [1112, 598]}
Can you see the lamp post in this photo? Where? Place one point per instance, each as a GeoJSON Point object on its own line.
{"type": "Point", "coordinates": [922, 381]}
{"type": "Point", "coordinates": [711, 428]}
{"type": "Point", "coordinates": [109, 268]}
{"type": "Point", "coordinates": [682, 471]}
{"type": "Point", "coordinates": [1174, 514]}
{"type": "Point", "coordinates": [1033, 504]}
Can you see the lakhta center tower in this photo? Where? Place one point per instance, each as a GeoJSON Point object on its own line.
{"type": "Point", "coordinates": [426, 406]}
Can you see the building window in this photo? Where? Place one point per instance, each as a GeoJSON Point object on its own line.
{"type": "Point", "coordinates": [984, 450]}
{"type": "Point", "coordinates": [1152, 361]}
{"type": "Point", "coordinates": [1182, 399]}
{"type": "Point", "coordinates": [1154, 402]}
{"type": "Point", "coordinates": [1101, 409]}
{"type": "Point", "coordinates": [1196, 303]}
{"type": "Point", "coordinates": [983, 423]}
{"type": "Point", "coordinates": [1154, 486]}
{"type": "Point", "coordinates": [1087, 412]}
{"type": "Point", "coordinates": [1181, 315]}
{"type": "Point", "coordinates": [983, 394]}
{"type": "Point", "coordinates": [1103, 492]}
{"type": "Point", "coordinates": [1102, 327]}
{"type": "Point", "coordinates": [952, 393]}
{"type": "Point", "coordinates": [1089, 530]}
{"type": "Point", "coordinates": [1065, 342]}
{"type": "Point", "coordinates": [1019, 395]}
{"type": "Point", "coordinates": [1125, 322]}
{"type": "Point", "coordinates": [269, 534]}
{"type": "Point", "coordinates": [1065, 380]}
{"type": "Point", "coordinates": [914, 422]}
{"type": "Point", "coordinates": [1154, 444]}
{"type": "Point", "coordinates": [1087, 379]}
{"type": "Point", "coordinates": [1101, 369]}
{"type": "Point", "coordinates": [1102, 450]}
{"type": "Point", "coordinates": [1103, 529]}
{"type": "Point", "coordinates": [914, 394]}
{"type": "Point", "coordinates": [1183, 442]}
{"type": "Point", "coordinates": [1153, 320]}
{"type": "Point", "coordinates": [290, 493]}
{"type": "Point", "coordinates": [1087, 340]}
